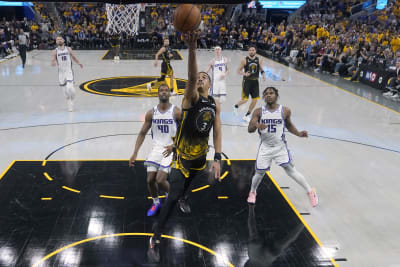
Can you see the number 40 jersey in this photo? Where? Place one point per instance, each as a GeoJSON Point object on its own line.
{"type": "Point", "coordinates": [163, 126]}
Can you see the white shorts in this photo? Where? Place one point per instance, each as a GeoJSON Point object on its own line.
{"type": "Point", "coordinates": [157, 161]}
{"type": "Point", "coordinates": [65, 76]}
{"type": "Point", "coordinates": [218, 89]}
{"type": "Point", "coordinates": [280, 154]}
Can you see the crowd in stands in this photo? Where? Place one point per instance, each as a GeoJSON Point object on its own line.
{"type": "Point", "coordinates": [322, 38]}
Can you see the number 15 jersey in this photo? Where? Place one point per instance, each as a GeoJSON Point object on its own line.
{"type": "Point", "coordinates": [274, 134]}
{"type": "Point", "coordinates": [163, 126]}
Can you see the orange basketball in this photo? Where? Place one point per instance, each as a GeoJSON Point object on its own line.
{"type": "Point", "coordinates": [187, 18]}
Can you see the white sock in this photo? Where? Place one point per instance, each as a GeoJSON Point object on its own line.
{"type": "Point", "coordinates": [256, 180]}
{"type": "Point", "coordinates": [297, 176]}
{"type": "Point", "coordinates": [156, 201]}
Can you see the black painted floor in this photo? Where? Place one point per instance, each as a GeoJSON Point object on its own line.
{"type": "Point", "coordinates": [267, 234]}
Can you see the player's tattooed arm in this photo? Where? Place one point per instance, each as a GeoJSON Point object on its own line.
{"type": "Point", "coordinates": [254, 122]}
{"type": "Point", "coordinates": [289, 124]}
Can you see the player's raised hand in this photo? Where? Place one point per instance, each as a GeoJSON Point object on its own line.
{"type": "Point", "coordinates": [303, 134]}
{"type": "Point", "coordinates": [132, 160]}
{"type": "Point", "coordinates": [216, 167]}
{"type": "Point", "coordinates": [190, 38]}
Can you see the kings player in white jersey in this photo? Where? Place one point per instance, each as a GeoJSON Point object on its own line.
{"type": "Point", "coordinates": [270, 120]}
{"type": "Point", "coordinates": [63, 56]}
{"type": "Point", "coordinates": [162, 120]}
{"type": "Point", "coordinates": [219, 67]}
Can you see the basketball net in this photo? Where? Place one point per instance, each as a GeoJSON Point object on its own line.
{"type": "Point", "coordinates": [123, 18]}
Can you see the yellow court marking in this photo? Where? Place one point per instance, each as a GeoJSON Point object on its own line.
{"type": "Point", "coordinates": [104, 54]}
{"type": "Point", "coordinates": [223, 197]}
{"type": "Point", "coordinates": [298, 215]}
{"type": "Point", "coordinates": [179, 54]}
{"type": "Point", "coordinates": [224, 175]}
{"type": "Point", "coordinates": [70, 189]}
{"type": "Point", "coordinates": [48, 256]}
{"type": "Point", "coordinates": [44, 163]}
{"type": "Point", "coordinates": [113, 197]}
{"type": "Point", "coordinates": [201, 188]}
{"type": "Point", "coordinates": [163, 196]}
{"type": "Point", "coordinates": [337, 87]}
{"type": "Point", "coordinates": [46, 198]}
{"type": "Point", "coordinates": [47, 176]}
{"type": "Point", "coordinates": [6, 170]}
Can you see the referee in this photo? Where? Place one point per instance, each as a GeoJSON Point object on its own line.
{"type": "Point", "coordinates": [22, 46]}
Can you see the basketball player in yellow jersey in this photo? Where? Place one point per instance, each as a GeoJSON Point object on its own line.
{"type": "Point", "coordinates": [200, 113]}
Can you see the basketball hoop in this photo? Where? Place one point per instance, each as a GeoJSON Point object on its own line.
{"type": "Point", "coordinates": [123, 18]}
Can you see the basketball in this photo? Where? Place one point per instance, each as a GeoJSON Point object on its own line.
{"type": "Point", "coordinates": [187, 18]}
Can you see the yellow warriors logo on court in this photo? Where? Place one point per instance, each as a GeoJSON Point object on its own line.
{"type": "Point", "coordinates": [131, 86]}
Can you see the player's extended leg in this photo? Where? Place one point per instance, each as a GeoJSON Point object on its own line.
{"type": "Point", "coordinates": [252, 105]}
{"type": "Point", "coordinates": [70, 90]}
{"type": "Point", "coordinates": [301, 180]}
{"type": "Point", "coordinates": [171, 86]}
{"type": "Point", "coordinates": [70, 94]}
{"type": "Point", "coordinates": [151, 84]}
{"type": "Point", "coordinates": [116, 50]}
{"type": "Point", "coordinates": [183, 201]}
{"type": "Point", "coordinates": [255, 182]}
{"type": "Point", "coordinates": [245, 97]}
{"type": "Point", "coordinates": [161, 180]}
{"type": "Point", "coordinates": [254, 90]}
{"type": "Point", "coordinates": [152, 188]}
{"type": "Point", "coordinates": [177, 181]}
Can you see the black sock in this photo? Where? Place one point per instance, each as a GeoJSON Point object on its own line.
{"type": "Point", "coordinates": [236, 106]}
{"type": "Point", "coordinates": [248, 113]}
